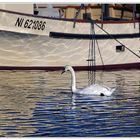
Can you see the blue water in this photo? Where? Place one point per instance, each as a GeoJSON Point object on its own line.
{"type": "Point", "coordinates": [38, 103]}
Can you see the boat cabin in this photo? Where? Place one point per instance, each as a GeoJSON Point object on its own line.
{"type": "Point", "coordinates": [85, 11]}
{"type": "Point", "coordinates": [93, 11]}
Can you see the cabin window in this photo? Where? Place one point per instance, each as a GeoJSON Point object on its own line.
{"type": "Point", "coordinates": [120, 48]}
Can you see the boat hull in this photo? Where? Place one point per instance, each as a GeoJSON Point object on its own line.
{"type": "Point", "coordinates": [53, 48]}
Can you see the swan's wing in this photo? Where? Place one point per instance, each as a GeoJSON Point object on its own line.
{"type": "Point", "coordinates": [92, 89]}
{"type": "Point", "coordinates": [108, 91]}
{"type": "Point", "coordinates": [104, 89]}
{"type": "Point", "coordinates": [96, 89]}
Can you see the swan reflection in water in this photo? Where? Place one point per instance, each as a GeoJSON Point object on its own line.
{"type": "Point", "coordinates": [83, 101]}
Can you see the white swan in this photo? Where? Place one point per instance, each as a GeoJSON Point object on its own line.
{"type": "Point", "coordinates": [94, 89]}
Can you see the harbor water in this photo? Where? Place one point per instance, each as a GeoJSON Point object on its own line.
{"type": "Point", "coordinates": [39, 103]}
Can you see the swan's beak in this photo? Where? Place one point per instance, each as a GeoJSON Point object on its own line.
{"type": "Point", "coordinates": [63, 72]}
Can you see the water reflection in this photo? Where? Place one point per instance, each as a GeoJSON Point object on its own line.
{"type": "Point", "coordinates": [19, 93]}
{"type": "Point", "coordinates": [41, 104]}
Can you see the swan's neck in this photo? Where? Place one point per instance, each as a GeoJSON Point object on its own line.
{"type": "Point", "coordinates": [73, 81]}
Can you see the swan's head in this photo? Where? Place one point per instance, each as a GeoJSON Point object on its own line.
{"type": "Point", "coordinates": [66, 68]}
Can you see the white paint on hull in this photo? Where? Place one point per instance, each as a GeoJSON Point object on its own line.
{"type": "Point", "coordinates": [36, 50]}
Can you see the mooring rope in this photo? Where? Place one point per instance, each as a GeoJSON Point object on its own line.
{"type": "Point", "coordinates": [92, 57]}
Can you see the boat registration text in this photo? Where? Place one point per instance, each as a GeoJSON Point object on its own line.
{"type": "Point", "coordinates": [30, 24]}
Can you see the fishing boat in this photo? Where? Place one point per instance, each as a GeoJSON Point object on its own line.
{"type": "Point", "coordinates": [32, 40]}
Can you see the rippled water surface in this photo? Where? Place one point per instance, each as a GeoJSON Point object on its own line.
{"type": "Point", "coordinates": [38, 103]}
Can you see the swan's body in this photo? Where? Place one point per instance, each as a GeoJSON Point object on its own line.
{"type": "Point", "coordinates": [94, 89]}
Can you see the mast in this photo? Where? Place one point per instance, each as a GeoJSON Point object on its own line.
{"type": "Point", "coordinates": [102, 14]}
{"type": "Point", "coordinates": [134, 11]}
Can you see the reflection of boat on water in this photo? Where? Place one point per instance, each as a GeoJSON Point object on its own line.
{"type": "Point", "coordinates": [31, 41]}
{"type": "Point", "coordinates": [19, 94]}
